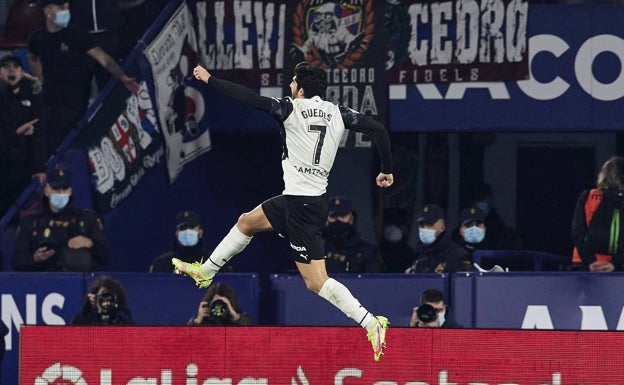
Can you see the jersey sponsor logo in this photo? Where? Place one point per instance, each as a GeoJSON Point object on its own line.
{"type": "Point", "coordinates": [312, 171]}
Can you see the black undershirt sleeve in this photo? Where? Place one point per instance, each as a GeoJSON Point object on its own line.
{"type": "Point", "coordinates": [242, 93]}
{"type": "Point", "coordinates": [359, 122]}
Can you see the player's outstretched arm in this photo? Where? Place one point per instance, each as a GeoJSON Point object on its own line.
{"type": "Point", "coordinates": [234, 90]}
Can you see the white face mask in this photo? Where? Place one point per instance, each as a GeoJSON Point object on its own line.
{"type": "Point", "coordinates": [441, 318]}
{"type": "Point", "coordinates": [427, 236]}
{"type": "Point", "coordinates": [188, 237]}
{"type": "Point", "coordinates": [474, 234]}
{"type": "Point", "coordinates": [59, 201]}
{"type": "Point", "coordinates": [61, 19]}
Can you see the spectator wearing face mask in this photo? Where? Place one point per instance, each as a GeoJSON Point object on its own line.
{"type": "Point", "coordinates": [395, 251]}
{"type": "Point", "coordinates": [436, 252]}
{"type": "Point", "coordinates": [433, 312]}
{"type": "Point", "coordinates": [60, 237]}
{"type": "Point", "coordinates": [345, 250]}
{"type": "Point", "coordinates": [60, 55]}
{"type": "Point", "coordinates": [187, 246]}
{"type": "Point", "coordinates": [471, 233]}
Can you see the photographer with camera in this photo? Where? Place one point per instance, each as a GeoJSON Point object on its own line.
{"type": "Point", "coordinates": [219, 307]}
{"type": "Point", "coordinates": [433, 312]}
{"type": "Point", "coordinates": [427, 317]}
{"type": "Point", "coordinates": [105, 304]}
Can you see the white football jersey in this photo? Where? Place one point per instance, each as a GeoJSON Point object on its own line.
{"type": "Point", "coordinates": [312, 134]}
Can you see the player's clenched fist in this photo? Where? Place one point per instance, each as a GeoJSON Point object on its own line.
{"type": "Point", "coordinates": [201, 73]}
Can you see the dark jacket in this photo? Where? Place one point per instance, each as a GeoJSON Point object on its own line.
{"type": "Point", "coordinates": [54, 230]}
{"type": "Point", "coordinates": [442, 256]}
{"type": "Point", "coordinates": [21, 156]}
{"type": "Point", "coordinates": [449, 320]}
{"type": "Point", "coordinates": [244, 320]}
{"type": "Point", "coordinates": [585, 251]}
{"type": "Point", "coordinates": [499, 235]}
{"type": "Point", "coordinates": [90, 316]}
{"type": "Point", "coordinates": [351, 255]}
{"type": "Point", "coordinates": [397, 256]}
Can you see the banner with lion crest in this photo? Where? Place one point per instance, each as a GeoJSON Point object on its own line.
{"type": "Point", "coordinates": [347, 40]}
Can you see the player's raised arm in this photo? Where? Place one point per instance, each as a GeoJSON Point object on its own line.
{"type": "Point", "coordinates": [234, 90]}
{"type": "Point", "coordinates": [377, 132]}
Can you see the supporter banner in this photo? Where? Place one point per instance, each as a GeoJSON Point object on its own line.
{"type": "Point", "coordinates": [180, 104]}
{"type": "Point", "coordinates": [576, 82]}
{"type": "Point", "coordinates": [347, 40]}
{"type": "Point", "coordinates": [457, 41]}
{"type": "Point", "coordinates": [265, 355]}
{"type": "Point", "coordinates": [242, 41]}
{"type": "Point", "coordinates": [123, 143]}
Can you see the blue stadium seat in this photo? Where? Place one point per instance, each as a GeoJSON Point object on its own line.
{"type": "Point", "coordinates": [531, 258]}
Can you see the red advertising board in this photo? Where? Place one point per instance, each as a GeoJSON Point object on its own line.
{"type": "Point", "coordinates": [315, 356]}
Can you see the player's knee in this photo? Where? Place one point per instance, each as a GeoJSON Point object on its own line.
{"type": "Point", "coordinates": [313, 285]}
{"type": "Point", "coordinates": [243, 223]}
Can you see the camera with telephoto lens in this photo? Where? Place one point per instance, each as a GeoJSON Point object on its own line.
{"type": "Point", "coordinates": [220, 311]}
{"type": "Point", "coordinates": [107, 302]}
{"type": "Point", "coordinates": [426, 313]}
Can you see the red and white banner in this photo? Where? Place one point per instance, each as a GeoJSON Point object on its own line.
{"type": "Point", "coordinates": [315, 356]}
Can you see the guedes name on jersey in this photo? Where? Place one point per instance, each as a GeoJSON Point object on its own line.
{"type": "Point", "coordinates": [315, 113]}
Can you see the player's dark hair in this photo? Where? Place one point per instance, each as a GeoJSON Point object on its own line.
{"type": "Point", "coordinates": [431, 296]}
{"type": "Point", "coordinates": [311, 78]}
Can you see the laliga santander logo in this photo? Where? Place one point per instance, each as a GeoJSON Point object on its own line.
{"type": "Point", "coordinates": [67, 374]}
{"type": "Point", "coordinates": [303, 380]}
{"type": "Point", "coordinates": [63, 373]}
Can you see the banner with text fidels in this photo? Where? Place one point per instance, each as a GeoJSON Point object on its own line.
{"type": "Point", "coordinates": [457, 41]}
{"type": "Point", "coordinates": [182, 114]}
{"type": "Point", "coordinates": [342, 356]}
